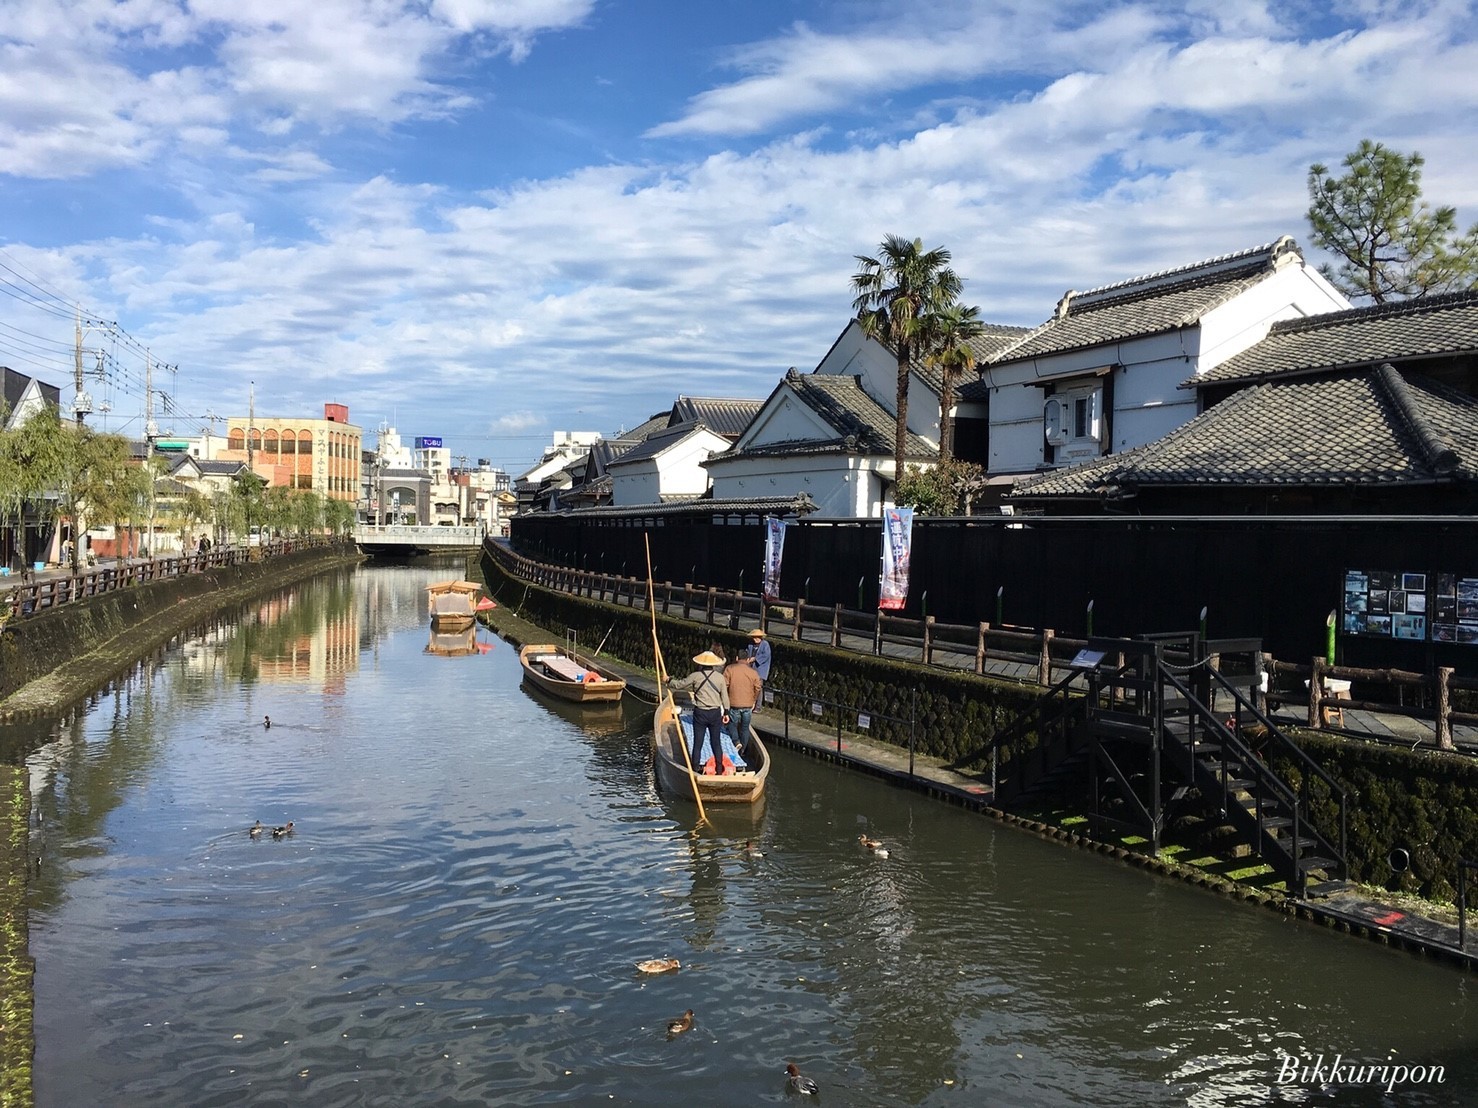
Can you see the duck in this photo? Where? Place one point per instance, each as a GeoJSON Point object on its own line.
{"type": "Point", "coordinates": [267, 723]}
{"type": "Point", "coordinates": [284, 831]}
{"type": "Point", "coordinates": [874, 845]}
{"type": "Point", "coordinates": [752, 849]}
{"type": "Point", "coordinates": [659, 965]}
{"type": "Point", "coordinates": [796, 1083]}
{"type": "Point", "coordinates": [683, 1023]}
{"type": "Point", "coordinates": [255, 830]}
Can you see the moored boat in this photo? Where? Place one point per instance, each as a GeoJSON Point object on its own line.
{"type": "Point", "coordinates": [669, 739]}
{"type": "Point", "coordinates": [453, 604]}
{"type": "Point", "coordinates": [568, 675]}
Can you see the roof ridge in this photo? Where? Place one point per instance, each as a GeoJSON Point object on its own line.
{"type": "Point", "coordinates": [1415, 305]}
{"type": "Point", "coordinates": [1280, 246]}
{"type": "Point", "coordinates": [1438, 453]}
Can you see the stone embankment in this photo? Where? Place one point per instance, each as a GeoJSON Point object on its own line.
{"type": "Point", "coordinates": [51, 661]}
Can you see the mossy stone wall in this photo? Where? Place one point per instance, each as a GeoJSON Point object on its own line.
{"type": "Point", "coordinates": [1423, 803]}
{"type": "Point", "coordinates": [17, 1044]}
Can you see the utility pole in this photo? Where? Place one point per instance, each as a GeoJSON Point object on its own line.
{"type": "Point", "coordinates": [151, 430]}
{"type": "Point", "coordinates": [81, 403]}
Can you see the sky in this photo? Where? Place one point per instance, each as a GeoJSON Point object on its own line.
{"type": "Point", "coordinates": [490, 220]}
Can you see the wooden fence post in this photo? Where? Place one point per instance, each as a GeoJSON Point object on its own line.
{"type": "Point", "coordinates": [687, 599]}
{"type": "Point", "coordinates": [712, 600]}
{"type": "Point", "coordinates": [666, 595]}
{"type": "Point", "coordinates": [877, 633]}
{"type": "Point", "coordinates": [1316, 692]}
{"type": "Point", "coordinates": [795, 629]}
{"type": "Point", "coordinates": [928, 639]}
{"type": "Point", "coordinates": [980, 647]}
{"type": "Point", "coordinates": [1044, 663]}
{"type": "Point", "coordinates": [836, 625]}
{"type": "Point", "coordinates": [1444, 709]}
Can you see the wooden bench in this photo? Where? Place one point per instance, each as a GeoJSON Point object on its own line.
{"type": "Point", "coordinates": [562, 667]}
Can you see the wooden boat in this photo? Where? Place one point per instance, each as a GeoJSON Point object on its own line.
{"type": "Point", "coordinates": [563, 673]}
{"type": "Point", "coordinates": [672, 768]}
{"type": "Point", "coordinates": [452, 604]}
{"type": "Point", "coordinates": [452, 644]}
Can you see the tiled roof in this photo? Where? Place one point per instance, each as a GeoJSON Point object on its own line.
{"type": "Point", "coordinates": [798, 505]}
{"type": "Point", "coordinates": [993, 338]}
{"type": "Point", "coordinates": [1148, 305]}
{"type": "Point", "coordinates": [1423, 327]}
{"type": "Point", "coordinates": [1371, 427]}
{"type": "Point", "coordinates": [726, 416]}
{"type": "Point", "coordinates": [862, 425]}
{"type": "Point", "coordinates": [655, 443]}
{"type": "Point", "coordinates": [642, 430]}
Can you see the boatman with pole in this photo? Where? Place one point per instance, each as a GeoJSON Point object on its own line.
{"type": "Point", "coordinates": [710, 703]}
{"type": "Point", "coordinates": [759, 653]}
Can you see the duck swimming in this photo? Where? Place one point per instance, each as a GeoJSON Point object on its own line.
{"type": "Point", "coordinates": [683, 1023]}
{"type": "Point", "coordinates": [874, 845]}
{"type": "Point", "coordinates": [255, 830]}
{"type": "Point", "coordinates": [795, 1083]}
{"type": "Point", "coordinates": [659, 965]}
{"type": "Point", "coordinates": [267, 723]}
{"type": "Point", "coordinates": [284, 831]}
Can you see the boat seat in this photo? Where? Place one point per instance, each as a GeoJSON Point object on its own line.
{"type": "Point", "coordinates": [562, 667]}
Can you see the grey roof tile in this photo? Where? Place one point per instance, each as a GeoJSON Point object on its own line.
{"type": "Point", "coordinates": [1423, 327]}
{"type": "Point", "coordinates": [862, 425]}
{"type": "Point", "coordinates": [1150, 304]}
{"type": "Point", "coordinates": [726, 416]}
{"type": "Point", "coordinates": [1372, 427]}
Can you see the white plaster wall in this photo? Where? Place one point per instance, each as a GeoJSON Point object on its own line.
{"type": "Point", "coordinates": [855, 353]}
{"type": "Point", "coordinates": [841, 487]}
{"type": "Point", "coordinates": [786, 419]}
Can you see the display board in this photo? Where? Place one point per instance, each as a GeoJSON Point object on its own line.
{"type": "Point", "coordinates": [1419, 607]}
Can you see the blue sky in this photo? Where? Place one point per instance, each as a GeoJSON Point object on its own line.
{"type": "Point", "coordinates": [493, 219]}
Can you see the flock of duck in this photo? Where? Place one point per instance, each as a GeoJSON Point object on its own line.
{"type": "Point", "coordinates": [258, 829]}
{"type": "Point", "coordinates": [795, 1081]}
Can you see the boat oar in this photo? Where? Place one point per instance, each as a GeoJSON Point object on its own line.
{"type": "Point", "coordinates": [661, 672]}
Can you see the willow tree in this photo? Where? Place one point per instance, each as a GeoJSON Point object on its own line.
{"type": "Point", "coordinates": [897, 295]}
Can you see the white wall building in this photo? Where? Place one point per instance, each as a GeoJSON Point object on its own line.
{"type": "Point", "coordinates": [665, 466]}
{"type": "Point", "coordinates": [1103, 374]}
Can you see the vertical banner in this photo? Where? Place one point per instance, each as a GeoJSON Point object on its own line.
{"type": "Point", "coordinates": [897, 535]}
{"type": "Point", "coordinates": [774, 549]}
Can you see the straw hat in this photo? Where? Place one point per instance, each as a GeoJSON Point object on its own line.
{"type": "Point", "coordinates": [757, 633]}
{"type": "Point", "coordinates": [708, 658]}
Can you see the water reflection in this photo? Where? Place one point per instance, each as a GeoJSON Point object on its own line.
{"type": "Point", "coordinates": [475, 870]}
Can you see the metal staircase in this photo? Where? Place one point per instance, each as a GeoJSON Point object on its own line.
{"type": "Point", "coordinates": [1160, 727]}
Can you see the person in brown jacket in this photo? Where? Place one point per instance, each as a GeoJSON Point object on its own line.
{"type": "Point", "coordinates": [744, 693]}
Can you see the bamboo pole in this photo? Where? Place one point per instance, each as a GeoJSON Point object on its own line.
{"type": "Point", "coordinates": [662, 674]}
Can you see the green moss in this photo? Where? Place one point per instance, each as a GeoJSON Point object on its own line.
{"type": "Point", "coordinates": [17, 1042]}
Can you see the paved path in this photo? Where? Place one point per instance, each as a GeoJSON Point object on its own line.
{"type": "Point", "coordinates": [1359, 911]}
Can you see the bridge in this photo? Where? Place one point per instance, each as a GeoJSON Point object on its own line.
{"type": "Point", "coordinates": [407, 539]}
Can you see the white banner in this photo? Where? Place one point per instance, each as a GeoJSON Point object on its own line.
{"type": "Point", "coordinates": [774, 549]}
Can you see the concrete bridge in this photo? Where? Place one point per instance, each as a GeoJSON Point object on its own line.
{"type": "Point", "coordinates": [407, 539]}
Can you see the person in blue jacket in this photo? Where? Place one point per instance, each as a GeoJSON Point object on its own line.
{"type": "Point", "coordinates": [759, 653]}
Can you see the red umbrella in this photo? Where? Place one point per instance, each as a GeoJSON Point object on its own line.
{"type": "Point", "coordinates": [486, 604]}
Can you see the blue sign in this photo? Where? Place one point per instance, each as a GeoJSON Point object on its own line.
{"type": "Point", "coordinates": [428, 443]}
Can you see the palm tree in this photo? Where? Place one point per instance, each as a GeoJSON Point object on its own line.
{"type": "Point", "coordinates": [950, 331]}
{"type": "Point", "coordinates": [896, 294]}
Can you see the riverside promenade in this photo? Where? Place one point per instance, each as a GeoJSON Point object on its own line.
{"type": "Point", "coordinates": [1421, 929]}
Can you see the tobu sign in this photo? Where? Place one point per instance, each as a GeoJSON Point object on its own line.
{"type": "Point", "coordinates": [429, 443]}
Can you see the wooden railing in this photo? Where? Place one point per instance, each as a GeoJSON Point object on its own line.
{"type": "Point", "coordinates": [30, 598]}
{"type": "Point", "coordinates": [1431, 694]}
{"type": "Point", "coordinates": [1023, 653]}
{"type": "Point", "coordinates": [1040, 656]}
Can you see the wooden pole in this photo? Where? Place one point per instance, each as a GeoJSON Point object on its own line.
{"type": "Point", "coordinates": [661, 675]}
{"type": "Point", "coordinates": [1444, 708]}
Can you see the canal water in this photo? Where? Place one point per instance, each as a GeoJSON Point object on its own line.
{"type": "Point", "coordinates": [474, 871]}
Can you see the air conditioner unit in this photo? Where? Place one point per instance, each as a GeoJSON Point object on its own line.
{"type": "Point", "coordinates": [1057, 420]}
